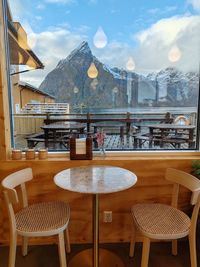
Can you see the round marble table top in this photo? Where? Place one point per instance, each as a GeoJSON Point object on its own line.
{"type": "Point", "coordinates": [95, 179]}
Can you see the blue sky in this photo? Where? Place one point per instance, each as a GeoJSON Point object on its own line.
{"type": "Point", "coordinates": [133, 28]}
{"type": "Point", "coordinates": [119, 19]}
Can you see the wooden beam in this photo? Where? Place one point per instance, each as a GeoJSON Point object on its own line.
{"type": "Point", "coordinates": [5, 140]}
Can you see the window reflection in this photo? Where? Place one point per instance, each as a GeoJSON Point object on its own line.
{"type": "Point", "coordinates": [132, 64]}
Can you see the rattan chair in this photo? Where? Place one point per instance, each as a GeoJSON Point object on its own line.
{"type": "Point", "coordinates": [40, 219]}
{"type": "Point", "coordinates": [165, 222]}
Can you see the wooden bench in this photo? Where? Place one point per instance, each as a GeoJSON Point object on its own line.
{"type": "Point", "coordinates": [139, 140]}
{"type": "Point", "coordinates": [175, 142]}
{"type": "Point", "coordinates": [34, 139]}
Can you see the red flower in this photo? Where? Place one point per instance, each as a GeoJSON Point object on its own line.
{"type": "Point", "coordinates": [100, 138]}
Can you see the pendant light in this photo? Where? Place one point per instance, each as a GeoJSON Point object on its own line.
{"type": "Point", "coordinates": [100, 38]}
{"type": "Point", "coordinates": [174, 54]}
{"type": "Point", "coordinates": [92, 71]}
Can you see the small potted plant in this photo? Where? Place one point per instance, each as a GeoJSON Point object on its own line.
{"type": "Point", "coordinates": [196, 172]}
{"type": "Point", "coordinates": [196, 168]}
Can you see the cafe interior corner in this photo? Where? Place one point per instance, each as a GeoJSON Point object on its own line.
{"type": "Point", "coordinates": [79, 189]}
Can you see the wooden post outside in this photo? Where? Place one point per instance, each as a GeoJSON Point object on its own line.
{"type": "Point", "coordinates": [88, 122]}
{"type": "Point", "coordinates": [128, 124]}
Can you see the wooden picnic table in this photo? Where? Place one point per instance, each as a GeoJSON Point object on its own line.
{"type": "Point", "coordinates": [89, 121]}
{"type": "Point", "coordinates": [61, 127]}
{"type": "Point", "coordinates": [164, 131]}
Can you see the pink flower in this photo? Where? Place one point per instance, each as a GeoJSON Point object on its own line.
{"type": "Point", "coordinates": [100, 138]}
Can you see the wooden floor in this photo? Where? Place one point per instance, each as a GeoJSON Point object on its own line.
{"type": "Point", "coordinates": [112, 142]}
{"type": "Point", "coordinates": [47, 255]}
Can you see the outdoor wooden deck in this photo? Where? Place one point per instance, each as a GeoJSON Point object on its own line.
{"type": "Point", "coordinates": [112, 142]}
{"type": "Point", "coordinates": [123, 131]}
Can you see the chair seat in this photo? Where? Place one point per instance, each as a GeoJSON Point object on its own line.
{"type": "Point", "coordinates": [160, 221]}
{"type": "Point", "coordinates": [41, 217]}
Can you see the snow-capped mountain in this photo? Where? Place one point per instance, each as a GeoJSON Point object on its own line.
{"type": "Point", "coordinates": [115, 87]}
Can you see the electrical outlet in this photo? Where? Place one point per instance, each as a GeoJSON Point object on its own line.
{"type": "Point", "coordinates": [107, 216]}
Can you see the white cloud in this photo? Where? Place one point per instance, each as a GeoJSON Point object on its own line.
{"type": "Point", "coordinates": [171, 8]}
{"type": "Point", "coordinates": [40, 6]}
{"type": "Point", "coordinates": [166, 30]}
{"type": "Point", "coordinates": [154, 11]}
{"type": "Point", "coordinates": [83, 29]}
{"type": "Point", "coordinates": [115, 54]}
{"type": "Point", "coordinates": [151, 54]}
{"type": "Point", "coordinates": [60, 1]}
{"type": "Point", "coordinates": [51, 47]}
{"type": "Point", "coordinates": [17, 9]}
{"type": "Point", "coordinates": [164, 10]}
{"type": "Point", "coordinates": [92, 1]}
{"type": "Point", "coordinates": [154, 44]}
{"type": "Point", "coordinates": [156, 41]}
{"type": "Point", "coordinates": [195, 4]}
{"type": "Point", "coordinates": [38, 17]}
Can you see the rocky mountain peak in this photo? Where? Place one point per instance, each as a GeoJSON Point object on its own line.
{"type": "Point", "coordinates": [82, 50]}
{"type": "Point", "coordinates": [133, 89]}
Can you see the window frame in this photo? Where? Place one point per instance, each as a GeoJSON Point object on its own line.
{"type": "Point", "coordinates": [120, 152]}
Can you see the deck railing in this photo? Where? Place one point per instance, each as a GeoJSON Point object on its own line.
{"type": "Point", "coordinates": [123, 130]}
{"type": "Point", "coordinates": [31, 123]}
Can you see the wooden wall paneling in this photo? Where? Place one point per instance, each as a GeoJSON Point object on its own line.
{"type": "Point", "coordinates": [151, 186]}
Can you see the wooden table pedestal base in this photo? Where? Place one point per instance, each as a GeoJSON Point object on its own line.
{"type": "Point", "coordinates": [106, 259]}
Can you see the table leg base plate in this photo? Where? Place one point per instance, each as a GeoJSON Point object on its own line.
{"type": "Point", "coordinates": [106, 259]}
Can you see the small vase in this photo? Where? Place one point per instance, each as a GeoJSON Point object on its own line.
{"type": "Point", "coordinates": [102, 150]}
{"type": "Point", "coordinates": [16, 154]}
{"type": "Point", "coordinates": [30, 154]}
{"type": "Point", "coordinates": [43, 154]}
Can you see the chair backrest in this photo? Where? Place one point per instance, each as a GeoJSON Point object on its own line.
{"type": "Point", "coordinates": [185, 179]}
{"type": "Point", "coordinates": [9, 184]}
{"type": "Point", "coordinates": [15, 179]}
{"type": "Point", "coordinates": [190, 182]}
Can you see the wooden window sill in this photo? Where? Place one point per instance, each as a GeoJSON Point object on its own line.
{"type": "Point", "coordinates": [122, 155]}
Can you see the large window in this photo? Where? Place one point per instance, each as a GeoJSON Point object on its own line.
{"type": "Point", "coordinates": [124, 71]}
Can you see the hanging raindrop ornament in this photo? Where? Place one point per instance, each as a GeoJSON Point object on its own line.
{"type": "Point", "coordinates": [100, 39]}
{"type": "Point", "coordinates": [94, 84]}
{"type": "Point", "coordinates": [174, 54]}
{"type": "Point", "coordinates": [115, 90]}
{"type": "Point", "coordinates": [130, 65]}
{"type": "Point", "coordinates": [76, 90]}
{"type": "Point", "coordinates": [92, 71]}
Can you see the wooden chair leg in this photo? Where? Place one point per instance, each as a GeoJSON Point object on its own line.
{"type": "Point", "coordinates": [24, 245]}
{"type": "Point", "coordinates": [193, 254]}
{"type": "Point", "coordinates": [67, 241]}
{"type": "Point", "coordinates": [174, 247]}
{"type": "Point", "coordinates": [145, 252]}
{"type": "Point", "coordinates": [12, 252]}
{"type": "Point", "coordinates": [132, 243]}
{"type": "Point", "coordinates": [61, 248]}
